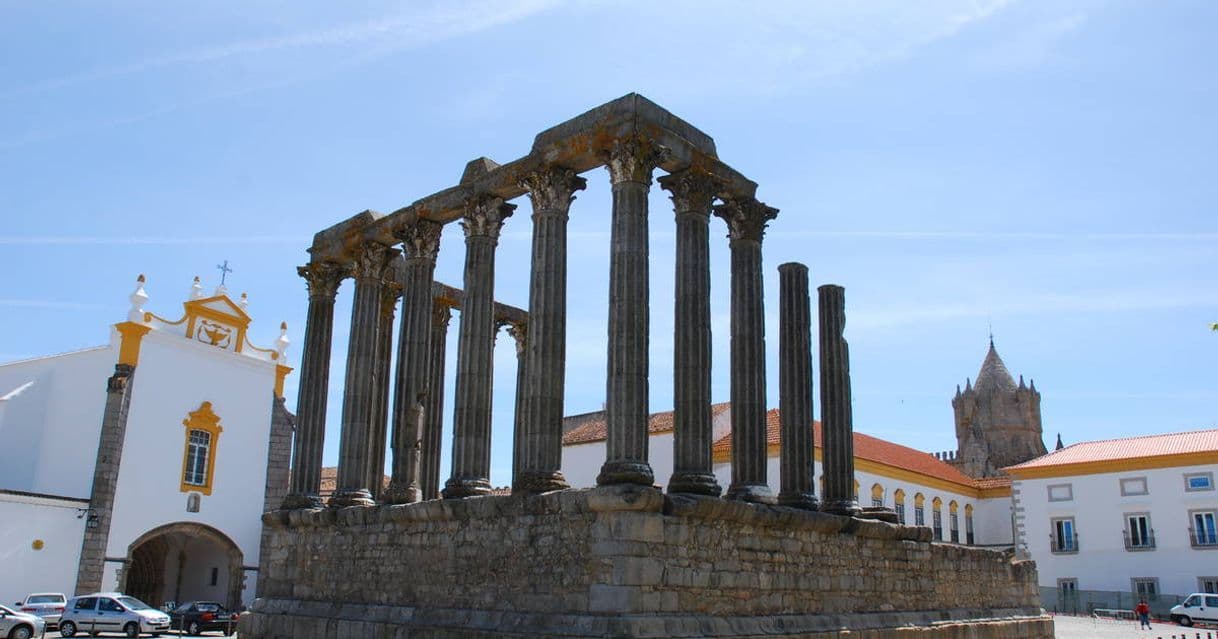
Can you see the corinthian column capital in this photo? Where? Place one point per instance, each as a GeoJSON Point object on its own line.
{"type": "Point", "coordinates": [691, 191]}
{"type": "Point", "coordinates": [484, 216]}
{"type": "Point", "coordinates": [633, 159]}
{"type": "Point", "coordinates": [322, 278]}
{"type": "Point", "coordinates": [519, 332]}
{"type": "Point", "coordinates": [420, 240]}
{"type": "Point", "coordinates": [746, 219]}
{"type": "Point", "coordinates": [552, 188]}
{"type": "Point", "coordinates": [440, 316]}
{"type": "Point", "coordinates": [390, 292]}
{"type": "Point", "coordinates": [372, 261]}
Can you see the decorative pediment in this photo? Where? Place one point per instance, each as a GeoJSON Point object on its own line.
{"type": "Point", "coordinates": [216, 321]}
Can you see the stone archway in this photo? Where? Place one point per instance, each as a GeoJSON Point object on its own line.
{"type": "Point", "coordinates": [184, 561]}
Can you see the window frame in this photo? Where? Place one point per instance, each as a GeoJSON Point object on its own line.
{"type": "Point", "coordinates": [1152, 581]}
{"type": "Point", "coordinates": [1125, 482]}
{"type": "Point", "coordinates": [202, 420]}
{"type": "Point", "coordinates": [1069, 488]}
{"type": "Point", "coordinates": [1195, 539]}
{"type": "Point", "coordinates": [1213, 583]}
{"type": "Point", "coordinates": [1209, 476]}
{"type": "Point", "coordinates": [1055, 536]}
{"type": "Point", "coordinates": [970, 533]}
{"type": "Point", "coordinates": [1147, 534]}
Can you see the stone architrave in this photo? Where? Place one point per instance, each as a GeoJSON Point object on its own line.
{"type": "Point", "coordinates": [692, 195]}
{"type": "Point", "coordinates": [322, 279]}
{"type": "Point", "coordinates": [370, 268]}
{"type": "Point", "coordinates": [433, 412]}
{"type": "Point", "coordinates": [746, 221]}
{"type": "Point", "coordinates": [630, 163]}
{"type": "Point", "coordinates": [537, 466]}
{"type": "Point", "coordinates": [835, 405]}
{"type": "Point", "coordinates": [390, 293]}
{"type": "Point", "coordinates": [795, 388]}
{"type": "Point", "coordinates": [471, 465]}
{"type": "Point", "coordinates": [421, 243]}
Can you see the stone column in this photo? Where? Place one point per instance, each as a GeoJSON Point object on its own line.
{"type": "Point", "coordinates": [370, 268]}
{"type": "Point", "coordinates": [323, 279]}
{"type": "Point", "coordinates": [692, 194]}
{"type": "Point", "coordinates": [630, 163]}
{"type": "Point", "coordinates": [380, 414]}
{"type": "Point", "coordinates": [421, 242]}
{"type": "Point", "coordinates": [519, 333]}
{"type": "Point", "coordinates": [537, 467]}
{"type": "Point", "coordinates": [471, 464]}
{"type": "Point", "coordinates": [795, 387]}
{"type": "Point", "coordinates": [836, 419]}
{"type": "Point", "coordinates": [433, 412]}
{"type": "Point", "coordinates": [746, 222]}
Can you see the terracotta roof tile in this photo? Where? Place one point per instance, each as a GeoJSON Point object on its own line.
{"type": "Point", "coordinates": [1198, 441]}
{"type": "Point", "coordinates": [870, 448]}
{"type": "Point", "coordinates": [592, 427]}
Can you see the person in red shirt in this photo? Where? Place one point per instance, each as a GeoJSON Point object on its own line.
{"type": "Point", "coordinates": [1143, 612]}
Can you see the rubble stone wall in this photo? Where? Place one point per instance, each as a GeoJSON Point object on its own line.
{"type": "Point", "coordinates": [627, 562]}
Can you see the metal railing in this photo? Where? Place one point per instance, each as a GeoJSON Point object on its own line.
{"type": "Point", "coordinates": [1087, 602]}
{"type": "Point", "coordinates": [1140, 541]}
{"type": "Point", "coordinates": [1063, 546]}
{"type": "Point", "coordinates": [1202, 538]}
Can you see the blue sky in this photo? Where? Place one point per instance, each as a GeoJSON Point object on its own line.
{"type": "Point", "coordinates": [1046, 167]}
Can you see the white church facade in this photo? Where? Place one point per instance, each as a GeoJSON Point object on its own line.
{"type": "Point", "coordinates": [144, 465]}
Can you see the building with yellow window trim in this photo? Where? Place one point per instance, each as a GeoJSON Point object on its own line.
{"type": "Point", "coordinates": [144, 465]}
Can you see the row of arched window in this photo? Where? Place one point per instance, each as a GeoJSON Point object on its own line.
{"type": "Point", "coordinates": [919, 512]}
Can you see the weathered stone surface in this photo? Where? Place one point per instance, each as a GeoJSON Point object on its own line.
{"type": "Point", "coordinates": [627, 561]}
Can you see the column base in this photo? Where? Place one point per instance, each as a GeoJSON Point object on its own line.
{"type": "Point", "coordinates": [626, 472]}
{"type": "Point", "coordinates": [535, 482]}
{"type": "Point", "coordinates": [689, 483]}
{"type": "Point", "coordinates": [847, 507]}
{"type": "Point", "coordinates": [351, 497]}
{"type": "Point", "coordinates": [805, 501]}
{"type": "Point", "coordinates": [462, 487]}
{"type": "Point", "coordinates": [399, 494]}
{"type": "Point", "coordinates": [753, 493]}
{"type": "Point", "coordinates": [298, 502]}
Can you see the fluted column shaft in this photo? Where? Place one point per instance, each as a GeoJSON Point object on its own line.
{"type": "Point", "coordinates": [354, 455]}
{"type": "Point", "coordinates": [471, 463]}
{"type": "Point", "coordinates": [380, 414]}
{"type": "Point", "coordinates": [519, 333]}
{"type": "Point", "coordinates": [322, 279]}
{"type": "Point", "coordinates": [795, 387]}
{"type": "Point", "coordinates": [421, 243]}
{"type": "Point", "coordinates": [433, 414]}
{"type": "Point", "coordinates": [835, 404]}
{"type": "Point", "coordinates": [630, 165]}
{"type": "Point", "coordinates": [692, 194]}
{"type": "Point", "coordinates": [746, 220]}
{"type": "Point", "coordinates": [537, 464]}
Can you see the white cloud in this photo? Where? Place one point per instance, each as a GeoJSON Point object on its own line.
{"type": "Point", "coordinates": [1033, 46]}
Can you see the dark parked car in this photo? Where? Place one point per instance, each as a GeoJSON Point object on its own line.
{"type": "Point", "coordinates": [198, 617]}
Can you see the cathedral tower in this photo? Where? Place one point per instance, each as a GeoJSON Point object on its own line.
{"type": "Point", "coordinates": [997, 421]}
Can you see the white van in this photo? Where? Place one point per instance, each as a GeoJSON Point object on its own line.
{"type": "Point", "coordinates": [1199, 606]}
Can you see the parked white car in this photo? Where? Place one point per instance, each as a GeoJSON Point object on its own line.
{"type": "Point", "coordinates": [111, 612]}
{"type": "Point", "coordinates": [1199, 606]}
{"type": "Point", "coordinates": [48, 605]}
{"type": "Point", "coordinates": [21, 625]}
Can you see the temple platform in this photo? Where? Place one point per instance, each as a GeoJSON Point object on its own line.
{"type": "Point", "coordinates": [628, 561]}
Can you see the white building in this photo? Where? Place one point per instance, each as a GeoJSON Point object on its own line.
{"type": "Point", "coordinates": [144, 465]}
{"type": "Point", "coordinates": [1134, 515]}
{"type": "Point", "coordinates": [923, 489]}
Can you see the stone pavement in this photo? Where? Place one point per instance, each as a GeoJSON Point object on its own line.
{"type": "Point", "coordinates": [1068, 627]}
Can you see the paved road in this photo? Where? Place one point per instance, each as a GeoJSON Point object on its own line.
{"type": "Point", "coordinates": [1088, 628]}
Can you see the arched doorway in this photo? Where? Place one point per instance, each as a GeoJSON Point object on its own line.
{"type": "Point", "coordinates": [181, 562]}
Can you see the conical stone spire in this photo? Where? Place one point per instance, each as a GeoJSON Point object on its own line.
{"type": "Point", "coordinates": [994, 374]}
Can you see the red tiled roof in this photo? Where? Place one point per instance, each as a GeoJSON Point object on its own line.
{"type": "Point", "coordinates": [1192, 442]}
{"type": "Point", "coordinates": [593, 426]}
{"type": "Point", "coordinates": [869, 448]}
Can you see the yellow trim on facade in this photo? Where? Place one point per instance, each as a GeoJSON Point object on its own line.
{"type": "Point", "coordinates": [130, 337]}
{"type": "Point", "coordinates": [195, 310]}
{"type": "Point", "coordinates": [203, 419]}
{"type": "Point", "coordinates": [1116, 465]}
{"type": "Point", "coordinates": [281, 374]}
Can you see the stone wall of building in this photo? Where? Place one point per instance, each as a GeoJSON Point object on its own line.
{"type": "Point", "coordinates": [627, 562]}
